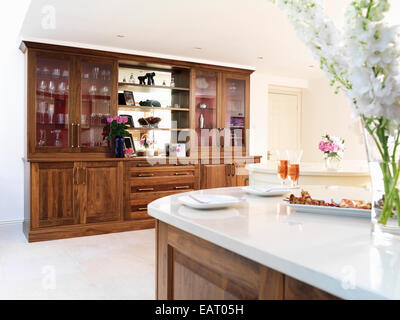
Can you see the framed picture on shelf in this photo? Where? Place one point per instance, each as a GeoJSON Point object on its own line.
{"type": "Point", "coordinates": [178, 150]}
{"type": "Point", "coordinates": [129, 98]}
{"type": "Point", "coordinates": [130, 123]}
{"type": "Point", "coordinates": [129, 146]}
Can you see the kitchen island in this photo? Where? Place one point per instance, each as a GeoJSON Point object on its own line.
{"type": "Point", "coordinates": [260, 249]}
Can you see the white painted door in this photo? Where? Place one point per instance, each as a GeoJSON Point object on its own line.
{"type": "Point", "coordinates": [284, 109]}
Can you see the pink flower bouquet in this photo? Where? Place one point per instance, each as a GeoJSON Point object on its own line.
{"type": "Point", "coordinates": [117, 126]}
{"type": "Point", "coordinates": [332, 147]}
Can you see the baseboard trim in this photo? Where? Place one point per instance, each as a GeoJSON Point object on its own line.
{"type": "Point", "coordinates": [5, 222]}
{"type": "Point", "coordinates": [72, 231]}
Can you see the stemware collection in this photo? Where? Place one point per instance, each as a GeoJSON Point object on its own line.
{"type": "Point", "coordinates": [289, 166]}
{"type": "Point", "coordinates": [52, 93]}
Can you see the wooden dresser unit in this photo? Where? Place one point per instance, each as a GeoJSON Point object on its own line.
{"type": "Point", "coordinates": [74, 186]}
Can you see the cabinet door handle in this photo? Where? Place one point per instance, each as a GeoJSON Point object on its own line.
{"type": "Point", "coordinates": [142, 209]}
{"type": "Point", "coordinates": [146, 175]}
{"type": "Point", "coordinates": [181, 187]}
{"type": "Point", "coordinates": [146, 189]}
{"type": "Point", "coordinates": [233, 172]}
{"type": "Point", "coordinates": [85, 178]}
{"type": "Point", "coordinates": [72, 135]}
{"type": "Point", "coordinates": [74, 175]}
{"type": "Point", "coordinates": [78, 126]}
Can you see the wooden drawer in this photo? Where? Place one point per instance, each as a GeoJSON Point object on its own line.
{"type": "Point", "coordinates": [168, 171]}
{"type": "Point", "coordinates": [145, 187]}
{"type": "Point", "coordinates": [146, 164]}
{"type": "Point", "coordinates": [136, 207]}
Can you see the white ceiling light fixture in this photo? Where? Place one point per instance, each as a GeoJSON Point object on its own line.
{"type": "Point", "coordinates": [120, 36]}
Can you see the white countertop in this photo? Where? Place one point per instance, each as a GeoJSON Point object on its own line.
{"type": "Point", "coordinates": [349, 168]}
{"type": "Point", "coordinates": [334, 254]}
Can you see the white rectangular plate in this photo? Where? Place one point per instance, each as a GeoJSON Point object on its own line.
{"type": "Point", "coordinates": [332, 211]}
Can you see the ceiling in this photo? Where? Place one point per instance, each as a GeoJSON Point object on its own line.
{"type": "Point", "coordinates": [230, 31]}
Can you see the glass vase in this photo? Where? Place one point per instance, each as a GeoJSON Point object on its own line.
{"type": "Point", "coordinates": [119, 145]}
{"type": "Point", "coordinates": [384, 171]}
{"type": "Point", "coordinates": [332, 163]}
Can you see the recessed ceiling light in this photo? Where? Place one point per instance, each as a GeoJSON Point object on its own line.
{"type": "Point", "coordinates": [197, 48]}
{"type": "Point", "coordinates": [311, 66]}
{"type": "Point", "coordinates": [120, 36]}
{"type": "Point", "coordinates": [260, 58]}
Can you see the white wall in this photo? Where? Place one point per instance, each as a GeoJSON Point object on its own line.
{"type": "Point", "coordinates": [322, 112]}
{"type": "Point", "coordinates": [12, 97]}
{"type": "Point", "coordinates": [327, 112]}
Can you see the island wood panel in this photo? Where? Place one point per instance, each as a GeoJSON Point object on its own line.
{"type": "Point", "coordinates": [102, 190]}
{"type": "Point", "coordinates": [192, 268]}
{"type": "Point", "coordinates": [53, 191]}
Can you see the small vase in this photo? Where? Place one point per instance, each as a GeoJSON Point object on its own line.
{"type": "Point", "coordinates": [150, 152]}
{"type": "Point", "coordinates": [332, 163]}
{"type": "Point", "coordinates": [119, 144]}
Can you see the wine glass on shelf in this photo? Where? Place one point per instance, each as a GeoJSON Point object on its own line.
{"type": "Point", "coordinates": [283, 163]}
{"type": "Point", "coordinates": [294, 157]}
{"type": "Point", "coordinates": [42, 140]}
{"type": "Point", "coordinates": [57, 141]}
{"type": "Point", "coordinates": [43, 87]}
{"type": "Point", "coordinates": [92, 90]}
{"type": "Point", "coordinates": [61, 88]}
{"type": "Point", "coordinates": [51, 113]}
{"type": "Point", "coordinates": [95, 72]}
{"type": "Point", "coordinates": [42, 110]}
{"type": "Point", "coordinates": [52, 88]}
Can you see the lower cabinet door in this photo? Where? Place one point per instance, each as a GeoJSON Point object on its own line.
{"type": "Point", "coordinates": [102, 191]}
{"type": "Point", "coordinates": [53, 186]}
{"type": "Point", "coordinates": [241, 176]}
{"type": "Point", "coordinates": [215, 176]}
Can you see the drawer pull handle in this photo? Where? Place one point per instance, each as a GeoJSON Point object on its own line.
{"type": "Point", "coordinates": [146, 189]}
{"type": "Point", "coordinates": [142, 209]}
{"type": "Point", "coordinates": [182, 187]}
{"type": "Point", "coordinates": [143, 165]}
{"type": "Point", "coordinates": [180, 174]}
{"type": "Point", "coordinates": [146, 175]}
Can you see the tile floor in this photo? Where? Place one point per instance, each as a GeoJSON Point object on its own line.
{"type": "Point", "coordinates": [112, 266]}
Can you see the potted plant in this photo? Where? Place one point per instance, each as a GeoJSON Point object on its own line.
{"type": "Point", "coordinates": [147, 144]}
{"type": "Point", "coordinates": [118, 132]}
{"type": "Point", "coordinates": [332, 148]}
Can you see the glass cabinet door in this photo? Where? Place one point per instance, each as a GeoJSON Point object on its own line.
{"type": "Point", "coordinates": [52, 95]}
{"type": "Point", "coordinates": [235, 110]}
{"type": "Point", "coordinates": [206, 88]}
{"type": "Point", "coordinates": [96, 104]}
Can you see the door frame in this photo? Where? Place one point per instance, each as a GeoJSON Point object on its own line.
{"type": "Point", "coordinates": [297, 92]}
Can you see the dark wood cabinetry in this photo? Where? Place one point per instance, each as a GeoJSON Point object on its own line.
{"type": "Point", "coordinates": [76, 188]}
{"type": "Point", "coordinates": [226, 175]}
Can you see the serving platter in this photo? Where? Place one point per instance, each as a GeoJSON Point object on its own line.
{"type": "Point", "coordinates": [332, 211]}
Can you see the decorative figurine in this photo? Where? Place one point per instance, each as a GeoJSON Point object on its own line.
{"type": "Point", "coordinates": [142, 79]}
{"type": "Point", "coordinates": [163, 83]}
{"type": "Point", "coordinates": [150, 78]}
{"type": "Point", "coordinates": [132, 78]}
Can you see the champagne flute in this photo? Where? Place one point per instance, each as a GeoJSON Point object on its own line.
{"type": "Point", "coordinates": [42, 110]}
{"type": "Point", "coordinates": [51, 113]}
{"type": "Point", "coordinates": [294, 157]}
{"type": "Point", "coordinates": [283, 162]}
{"type": "Point", "coordinates": [57, 142]}
{"type": "Point", "coordinates": [52, 88]}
